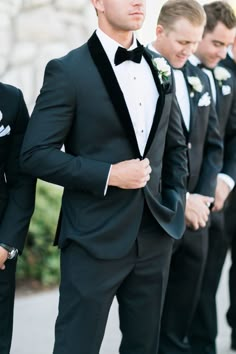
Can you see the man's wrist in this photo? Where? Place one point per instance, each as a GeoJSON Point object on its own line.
{"type": "Point", "coordinates": [12, 252]}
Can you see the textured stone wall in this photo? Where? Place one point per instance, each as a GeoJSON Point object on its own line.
{"type": "Point", "coordinates": [34, 31]}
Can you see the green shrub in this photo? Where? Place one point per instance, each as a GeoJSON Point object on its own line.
{"type": "Point", "coordinates": [39, 263]}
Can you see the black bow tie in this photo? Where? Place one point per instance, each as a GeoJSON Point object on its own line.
{"type": "Point", "coordinates": [123, 54]}
{"type": "Point", "coordinates": [202, 66]}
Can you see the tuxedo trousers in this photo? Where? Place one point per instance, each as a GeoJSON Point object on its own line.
{"type": "Point", "coordinates": [7, 295]}
{"type": "Point", "coordinates": [231, 313]}
{"type": "Point", "coordinates": [204, 326]}
{"type": "Point", "coordinates": [89, 285]}
{"type": "Point", "coordinates": [230, 230]}
{"type": "Point", "coordinates": [183, 291]}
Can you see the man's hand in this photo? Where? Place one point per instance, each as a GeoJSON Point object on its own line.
{"type": "Point", "coordinates": [197, 210]}
{"type": "Point", "coordinates": [130, 174]}
{"type": "Point", "coordinates": [3, 257]}
{"type": "Point", "coordinates": [221, 194]}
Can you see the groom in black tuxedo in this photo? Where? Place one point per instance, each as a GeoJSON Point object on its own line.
{"type": "Point", "coordinates": [16, 202]}
{"type": "Point", "coordinates": [179, 30]}
{"type": "Point", "coordinates": [123, 172]}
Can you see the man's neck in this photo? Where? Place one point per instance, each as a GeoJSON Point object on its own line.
{"type": "Point", "coordinates": [124, 38]}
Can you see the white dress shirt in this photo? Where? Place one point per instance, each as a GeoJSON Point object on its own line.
{"type": "Point", "coordinates": [195, 61]}
{"type": "Point", "coordinates": [182, 94]}
{"type": "Point", "coordinates": [138, 87]}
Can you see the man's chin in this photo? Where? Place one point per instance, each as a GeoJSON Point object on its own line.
{"type": "Point", "coordinates": [178, 65]}
{"type": "Point", "coordinates": [212, 65]}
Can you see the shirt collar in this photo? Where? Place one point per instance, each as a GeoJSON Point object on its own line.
{"type": "Point", "coordinates": [151, 47]}
{"type": "Point", "coordinates": [194, 60]}
{"type": "Point", "coordinates": [230, 53]}
{"type": "Point", "coordinates": [110, 45]}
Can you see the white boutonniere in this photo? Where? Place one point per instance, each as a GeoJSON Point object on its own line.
{"type": "Point", "coordinates": [221, 74]}
{"type": "Point", "coordinates": [163, 69]}
{"type": "Point", "coordinates": [196, 84]}
{"type": "Point", "coordinates": [4, 130]}
{"type": "Point", "coordinates": [226, 90]}
{"type": "Point", "coordinates": [205, 100]}
{"type": "Point", "coordinates": [1, 116]}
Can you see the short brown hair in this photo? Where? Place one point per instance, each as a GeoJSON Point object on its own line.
{"type": "Point", "coordinates": [219, 11]}
{"type": "Point", "coordinates": [174, 10]}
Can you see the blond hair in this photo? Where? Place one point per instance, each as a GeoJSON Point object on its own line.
{"type": "Point", "coordinates": [173, 10]}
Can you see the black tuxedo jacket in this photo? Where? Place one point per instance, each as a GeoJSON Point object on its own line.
{"type": "Point", "coordinates": [229, 63]}
{"type": "Point", "coordinates": [17, 190]}
{"type": "Point", "coordinates": [205, 148]}
{"type": "Point", "coordinates": [226, 111]}
{"type": "Point", "coordinates": [82, 106]}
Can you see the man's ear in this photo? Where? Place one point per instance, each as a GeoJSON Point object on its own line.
{"type": "Point", "coordinates": [159, 31]}
{"type": "Point", "coordinates": [234, 49]}
{"type": "Point", "coordinates": [98, 5]}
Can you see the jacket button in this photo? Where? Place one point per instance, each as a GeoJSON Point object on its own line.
{"type": "Point", "coordinates": [189, 146]}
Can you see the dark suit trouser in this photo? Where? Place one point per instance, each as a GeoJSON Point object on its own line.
{"type": "Point", "coordinates": [186, 271]}
{"type": "Point", "coordinates": [231, 314]}
{"type": "Point", "coordinates": [88, 286]}
{"type": "Point", "coordinates": [204, 327]}
{"type": "Point", "coordinates": [230, 226]}
{"type": "Point", "coordinates": [7, 294]}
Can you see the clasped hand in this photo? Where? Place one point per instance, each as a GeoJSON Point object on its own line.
{"type": "Point", "coordinates": [130, 174]}
{"type": "Point", "coordinates": [3, 258]}
{"type": "Point", "coordinates": [197, 210]}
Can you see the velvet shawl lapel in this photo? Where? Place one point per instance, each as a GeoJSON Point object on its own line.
{"type": "Point", "coordinates": [192, 100]}
{"type": "Point", "coordinates": [110, 81]}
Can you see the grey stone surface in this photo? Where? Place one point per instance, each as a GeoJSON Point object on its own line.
{"type": "Point", "coordinates": [35, 316]}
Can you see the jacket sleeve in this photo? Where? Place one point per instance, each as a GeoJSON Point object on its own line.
{"type": "Point", "coordinates": [213, 154]}
{"type": "Point", "coordinates": [229, 159]}
{"type": "Point", "coordinates": [175, 169]}
{"type": "Point", "coordinates": [48, 130]}
{"type": "Point", "coordinates": [21, 188]}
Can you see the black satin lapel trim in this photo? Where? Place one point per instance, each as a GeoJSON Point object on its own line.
{"type": "Point", "coordinates": [185, 130]}
{"type": "Point", "coordinates": [192, 100]}
{"type": "Point", "coordinates": [108, 76]}
{"type": "Point", "coordinates": [160, 102]}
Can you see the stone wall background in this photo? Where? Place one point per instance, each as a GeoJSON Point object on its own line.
{"type": "Point", "coordinates": [34, 31]}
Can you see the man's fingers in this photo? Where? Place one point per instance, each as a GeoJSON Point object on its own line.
{"type": "Point", "coordinates": [145, 162]}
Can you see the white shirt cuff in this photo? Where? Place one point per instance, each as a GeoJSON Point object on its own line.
{"type": "Point", "coordinates": [108, 176]}
{"type": "Point", "coordinates": [227, 179]}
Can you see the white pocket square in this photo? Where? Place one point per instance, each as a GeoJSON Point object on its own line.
{"type": "Point", "coordinates": [226, 90]}
{"type": "Point", "coordinates": [205, 100]}
{"type": "Point", "coordinates": [4, 130]}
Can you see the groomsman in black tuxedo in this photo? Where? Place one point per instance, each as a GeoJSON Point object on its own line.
{"type": "Point", "coordinates": [179, 30]}
{"type": "Point", "coordinates": [16, 202]}
{"type": "Point", "coordinates": [230, 222]}
{"type": "Point", "coordinates": [219, 33]}
{"type": "Point", "coordinates": [123, 171]}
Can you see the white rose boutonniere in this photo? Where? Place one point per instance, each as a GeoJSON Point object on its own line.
{"type": "Point", "coordinates": [163, 69]}
{"type": "Point", "coordinates": [196, 84]}
{"type": "Point", "coordinates": [221, 74]}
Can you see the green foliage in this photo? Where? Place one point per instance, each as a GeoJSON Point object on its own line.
{"type": "Point", "coordinates": [39, 263]}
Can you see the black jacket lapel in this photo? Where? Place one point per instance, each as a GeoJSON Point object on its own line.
{"type": "Point", "coordinates": [187, 73]}
{"type": "Point", "coordinates": [108, 76]}
{"type": "Point", "coordinates": [160, 103]}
